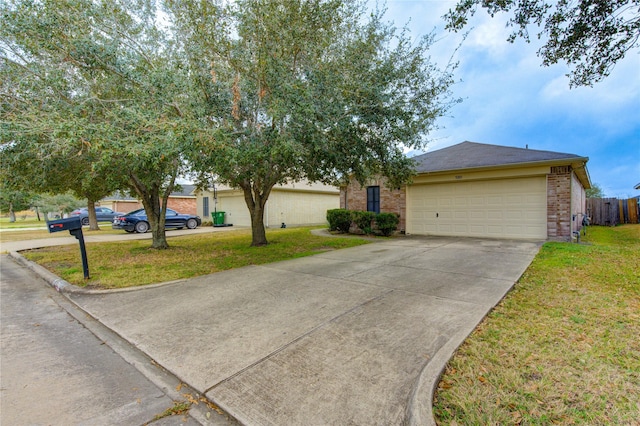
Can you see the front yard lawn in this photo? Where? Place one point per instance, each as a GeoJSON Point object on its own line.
{"type": "Point", "coordinates": [132, 263]}
{"type": "Point", "coordinates": [563, 347]}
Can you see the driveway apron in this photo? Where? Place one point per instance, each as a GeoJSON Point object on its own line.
{"type": "Point", "coordinates": [354, 336]}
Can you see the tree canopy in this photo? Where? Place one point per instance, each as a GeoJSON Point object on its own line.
{"type": "Point", "coordinates": [313, 90]}
{"type": "Point", "coordinates": [91, 100]}
{"type": "Point", "coordinates": [255, 92]}
{"type": "Point", "coordinates": [591, 36]}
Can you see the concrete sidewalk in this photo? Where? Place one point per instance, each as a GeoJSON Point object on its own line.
{"type": "Point", "coordinates": [355, 336]}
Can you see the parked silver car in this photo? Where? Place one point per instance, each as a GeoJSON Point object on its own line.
{"type": "Point", "coordinates": [103, 214]}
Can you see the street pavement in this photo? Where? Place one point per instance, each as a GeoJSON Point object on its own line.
{"type": "Point", "coordinates": [357, 336]}
{"type": "Point", "coordinates": [55, 371]}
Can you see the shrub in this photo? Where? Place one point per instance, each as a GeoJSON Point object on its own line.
{"type": "Point", "coordinates": [364, 221]}
{"type": "Point", "coordinates": [387, 223]}
{"type": "Point", "coordinates": [339, 220]}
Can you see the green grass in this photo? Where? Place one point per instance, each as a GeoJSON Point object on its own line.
{"type": "Point", "coordinates": [563, 347]}
{"type": "Point", "coordinates": [132, 263]}
{"type": "Point", "coordinates": [22, 221]}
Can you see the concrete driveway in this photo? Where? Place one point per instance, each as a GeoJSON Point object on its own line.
{"type": "Point", "coordinates": [356, 336]}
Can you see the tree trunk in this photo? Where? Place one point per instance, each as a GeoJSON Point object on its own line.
{"type": "Point", "coordinates": [93, 219]}
{"type": "Point", "coordinates": [258, 233]}
{"type": "Point", "coordinates": [256, 198]}
{"type": "Point", "coordinates": [156, 217]}
{"type": "Point", "coordinates": [150, 196]}
{"type": "Point", "coordinates": [12, 214]}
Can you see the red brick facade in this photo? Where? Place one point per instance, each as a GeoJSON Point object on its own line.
{"type": "Point", "coordinates": [183, 205]}
{"type": "Point", "coordinates": [354, 197]}
{"type": "Point", "coordinates": [559, 202]}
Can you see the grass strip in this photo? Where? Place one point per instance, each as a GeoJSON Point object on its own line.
{"type": "Point", "coordinates": [562, 347]}
{"type": "Point", "coordinates": [133, 263]}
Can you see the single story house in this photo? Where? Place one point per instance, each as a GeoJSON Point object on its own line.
{"type": "Point", "coordinates": [182, 201]}
{"type": "Point", "coordinates": [481, 190]}
{"type": "Point", "coordinates": [294, 204]}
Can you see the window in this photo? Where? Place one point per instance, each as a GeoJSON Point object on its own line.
{"type": "Point", "coordinates": [205, 206]}
{"type": "Point", "coordinates": [373, 199]}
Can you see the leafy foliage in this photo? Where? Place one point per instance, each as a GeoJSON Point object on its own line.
{"type": "Point", "coordinates": [364, 220]}
{"type": "Point", "coordinates": [589, 35]}
{"type": "Point", "coordinates": [386, 223]}
{"type": "Point", "coordinates": [91, 101]}
{"type": "Point", "coordinates": [595, 191]}
{"type": "Point", "coordinates": [313, 90]}
{"type": "Point", "coordinates": [339, 220]}
{"type": "Point", "coordinates": [58, 204]}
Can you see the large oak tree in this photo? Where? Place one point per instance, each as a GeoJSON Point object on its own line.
{"type": "Point", "coordinates": [310, 89]}
{"type": "Point", "coordinates": [91, 98]}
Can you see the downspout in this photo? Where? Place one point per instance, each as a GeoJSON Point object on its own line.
{"type": "Point", "coordinates": [346, 193]}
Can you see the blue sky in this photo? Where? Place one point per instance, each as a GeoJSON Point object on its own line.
{"type": "Point", "coordinates": [510, 99]}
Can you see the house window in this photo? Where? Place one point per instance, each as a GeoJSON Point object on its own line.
{"type": "Point", "coordinates": [373, 199]}
{"type": "Point", "coordinates": [205, 206]}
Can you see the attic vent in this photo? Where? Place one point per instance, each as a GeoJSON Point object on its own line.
{"type": "Point", "coordinates": [560, 170]}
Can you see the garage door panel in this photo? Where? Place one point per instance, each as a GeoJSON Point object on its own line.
{"type": "Point", "coordinates": [509, 208]}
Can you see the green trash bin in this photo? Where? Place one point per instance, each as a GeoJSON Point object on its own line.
{"type": "Point", "coordinates": [218, 218]}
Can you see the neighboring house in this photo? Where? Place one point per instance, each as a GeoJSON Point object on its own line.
{"type": "Point", "coordinates": [293, 204]}
{"type": "Point", "coordinates": [480, 190]}
{"type": "Point", "coordinates": [183, 201]}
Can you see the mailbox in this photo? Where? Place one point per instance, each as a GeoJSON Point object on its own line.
{"type": "Point", "coordinates": [68, 224]}
{"type": "Point", "coordinates": [74, 226]}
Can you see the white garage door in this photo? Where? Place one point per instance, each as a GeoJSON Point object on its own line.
{"type": "Point", "coordinates": [237, 212]}
{"type": "Point", "coordinates": [506, 208]}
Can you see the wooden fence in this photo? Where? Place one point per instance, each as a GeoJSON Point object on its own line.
{"type": "Point", "coordinates": [612, 211]}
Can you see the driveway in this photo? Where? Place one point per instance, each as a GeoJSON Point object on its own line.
{"type": "Point", "coordinates": [356, 336]}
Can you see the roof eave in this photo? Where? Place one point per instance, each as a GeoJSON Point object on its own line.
{"type": "Point", "coordinates": [579, 164]}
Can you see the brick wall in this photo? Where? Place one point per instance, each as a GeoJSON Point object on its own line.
{"type": "Point", "coordinates": [183, 205]}
{"type": "Point", "coordinates": [354, 197]}
{"type": "Point", "coordinates": [578, 203]}
{"type": "Point", "coordinates": [559, 202]}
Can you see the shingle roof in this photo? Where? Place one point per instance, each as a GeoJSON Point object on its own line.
{"type": "Point", "coordinates": [468, 155]}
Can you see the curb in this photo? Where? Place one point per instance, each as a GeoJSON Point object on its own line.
{"type": "Point", "coordinates": [54, 281]}
{"type": "Point", "coordinates": [63, 286]}
{"type": "Point", "coordinates": [203, 411]}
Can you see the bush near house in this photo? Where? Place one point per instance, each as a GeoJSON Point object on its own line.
{"type": "Point", "coordinates": [387, 223]}
{"type": "Point", "coordinates": [339, 220]}
{"type": "Point", "coordinates": [368, 222]}
{"type": "Point", "coordinates": [364, 221]}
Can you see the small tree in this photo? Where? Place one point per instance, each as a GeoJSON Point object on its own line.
{"type": "Point", "coordinates": [14, 201]}
{"type": "Point", "coordinates": [59, 204]}
{"type": "Point", "coordinates": [595, 191]}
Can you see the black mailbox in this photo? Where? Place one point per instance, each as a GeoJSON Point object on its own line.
{"type": "Point", "coordinates": [68, 224]}
{"type": "Point", "coordinates": [74, 226]}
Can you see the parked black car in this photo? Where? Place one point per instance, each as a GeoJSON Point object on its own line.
{"type": "Point", "coordinates": [136, 221]}
{"type": "Point", "coordinates": [103, 214]}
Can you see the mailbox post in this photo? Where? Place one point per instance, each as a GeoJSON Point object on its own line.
{"type": "Point", "coordinates": [74, 226]}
